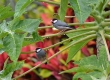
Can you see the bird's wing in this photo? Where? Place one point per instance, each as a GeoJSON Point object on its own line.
{"type": "Point", "coordinates": [61, 23]}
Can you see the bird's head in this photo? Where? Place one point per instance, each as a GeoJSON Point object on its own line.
{"type": "Point", "coordinates": [38, 50]}
{"type": "Point", "coordinates": [54, 21]}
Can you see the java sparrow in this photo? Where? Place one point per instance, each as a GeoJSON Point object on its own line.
{"type": "Point", "coordinates": [60, 25]}
{"type": "Point", "coordinates": [41, 54]}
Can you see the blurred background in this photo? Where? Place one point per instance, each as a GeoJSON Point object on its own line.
{"type": "Point", "coordinates": [47, 11]}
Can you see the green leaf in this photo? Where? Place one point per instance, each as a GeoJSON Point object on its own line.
{"type": "Point", "coordinates": [82, 75]}
{"type": "Point", "coordinates": [1, 44]}
{"type": "Point", "coordinates": [13, 44]}
{"type": "Point", "coordinates": [20, 7]}
{"type": "Point", "coordinates": [4, 27]}
{"type": "Point", "coordinates": [84, 68]}
{"type": "Point", "coordinates": [27, 25]}
{"type": "Point", "coordinates": [48, 73]}
{"type": "Point", "coordinates": [96, 74]}
{"type": "Point", "coordinates": [101, 78]}
{"type": "Point", "coordinates": [35, 38]}
{"type": "Point", "coordinates": [88, 61]}
{"type": "Point", "coordinates": [63, 8]}
{"type": "Point", "coordinates": [10, 68]}
{"type": "Point", "coordinates": [75, 48]}
{"type": "Point", "coordinates": [82, 8]}
{"type": "Point", "coordinates": [4, 11]}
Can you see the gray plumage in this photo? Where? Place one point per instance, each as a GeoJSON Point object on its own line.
{"type": "Point", "coordinates": [60, 25]}
{"type": "Point", "coordinates": [41, 54]}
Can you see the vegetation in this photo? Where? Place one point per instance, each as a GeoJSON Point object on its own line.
{"type": "Point", "coordinates": [16, 32]}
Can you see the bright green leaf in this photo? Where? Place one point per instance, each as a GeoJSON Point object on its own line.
{"type": "Point", "coordinates": [45, 73]}
{"type": "Point", "coordinates": [75, 48]}
{"type": "Point", "coordinates": [10, 68]}
{"type": "Point", "coordinates": [88, 61]}
{"type": "Point", "coordinates": [84, 68]}
{"type": "Point", "coordinates": [13, 45]}
{"type": "Point", "coordinates": [20, 7]}
{"type": "Point", "coordinates": [96, 74]}
{"type": "Point", "coordinates": [82, 8]}
{"type": "Point", "coordinates": [82, 75]}
{"type": "Point", "coordinates": [63, 8]}
{"type": "Point", "coordinates": [27, 25]}
{"type": "Point", "coordinates": [4, 27]}
{"type": "Point", "coordinates": [4, 11]}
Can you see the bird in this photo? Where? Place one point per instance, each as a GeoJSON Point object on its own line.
{"type": "Point", "coordinates": [41, 54]}
{"type": "Point", "coordinates": [60, 25]}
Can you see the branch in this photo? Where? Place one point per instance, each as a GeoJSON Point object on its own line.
{"type": "Point", "coordinates": [105, 14]}
{"type": "Point", "coordinates": [78, 24]}
{"type": "Point", "coordinates": [107, 20]}
{"type": "Point", "coordinates": [88, 37]}
{"type": "Point", "coordinates": [72, 24]}
{"type": "Point", "coordinates": [70, 31]}
{"type": "Point", "coordinates": [104, 40]}
{"type": "Point", "coordinates": [105, 24]}
{"type": "Point", "coordinates": [90, 32]}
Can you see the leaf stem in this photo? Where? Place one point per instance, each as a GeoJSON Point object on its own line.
{"type": "Point", "coordinates": [105, 14]}
{"type": "Point", "coordinates": [71, 24]}
{"type": "Point", "coordinates": [104, 40]}
{"type": "Point", "coordinates": [90, 32]}
{"type": "Point", "coordinates": [88, 37]}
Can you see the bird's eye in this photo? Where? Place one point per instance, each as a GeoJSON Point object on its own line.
{"type": "Point", "coordinates": [38, 50]}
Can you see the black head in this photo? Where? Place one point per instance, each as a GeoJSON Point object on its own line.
{"type": "Point", "coordinates": [38, 50]}
{"type": "Point", "coordinates": [54, 21]}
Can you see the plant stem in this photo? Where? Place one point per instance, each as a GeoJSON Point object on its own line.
{"type": "Point", "coordinates": [107, 20]}
{"type": "Point", "coordinates": [72, 24]}
{"type": "Point", "coordinates": [52, 2]}
{"type": "Point", "coordinates": [105, 24]}
{"type": "Point", "coordinates": [87, 33]}
{"type": "Point", "coordinates": [105, 14]}
{"type": "Point", "coordinates": [104, 40]}
{"type": "Point", "coordinates": [88, 37]}
{"type": "Point", "coordinates": [77, 24]}
{"type": "Point", "coordinates": [70, 31]}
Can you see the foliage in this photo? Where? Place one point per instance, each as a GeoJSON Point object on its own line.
{"type": "Point", "coordinates": [16, 32]}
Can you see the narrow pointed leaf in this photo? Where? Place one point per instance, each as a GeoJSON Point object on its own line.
{"type": "Point", "coordinates": [4, 11]}
{"type": "Point", "coordinates": [63, 8]}
{"type": "Point", "coordinates": [82, 8]}
{"type": "Point", "coordinates": [75, 48]}
{"type": "Point", "coordinates": [9, 69]}
{"type": "Point", "coordinates": [20, 7]}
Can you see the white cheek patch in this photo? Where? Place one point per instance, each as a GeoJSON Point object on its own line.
{"type": "Point", "coordinates": [38, 50]}
{"type": "Point", "coordinates": [54, 21]}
